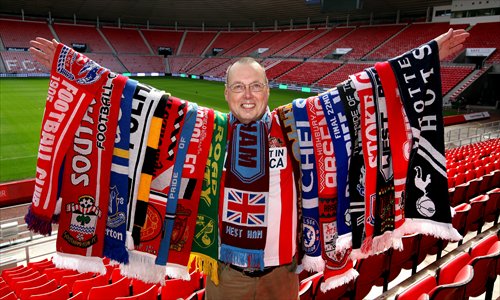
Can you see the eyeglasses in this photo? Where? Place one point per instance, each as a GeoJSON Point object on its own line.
{"type": "Point", "coordinates": [239, 87]}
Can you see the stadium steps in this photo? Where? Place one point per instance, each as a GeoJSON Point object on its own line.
{"type": "Point", "coordinates": [210, 44]}
{"type": "Point", "coordinates": [289, 53]}
{"type": "Point", "coordinates": [146, 42]}
{"type": "Point", "coordinates": [167, 66]}
{"type": "Point", "coordinates": [54, 33]}
{"type": "Point", "coordinates": [460, 85]}
{"type": "Point", "coordinates": [340, 38]}
{"type": "Point", "coordinates": [328, 74]}
{"type": "Point", "coordinates": [181, 43]}
{"type": "Point", "coordinates": [106, 41]}
{"type": "Point", "coordinates": [386, 41]}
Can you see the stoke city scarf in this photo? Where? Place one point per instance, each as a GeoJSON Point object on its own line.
{"type": "Point", "coordinates": [73, 84]}
{"type": "Point", "coordinates": [246, 194]}
{"type": "Point", "coordinates": [339, 131]}
{"type": "Point", "coordinates": [312, 260]}
{"type": "Point", "coordinates": [206, 238]}
{"type": "Point", "coordinates": [175, 184]}
{"type": "Point", "coordinates": [116, 225]}
{"type": "Point", "coordinates": [189, 195]}
{"type": "Point", "coordinates": [85, 182]}
{"type": "Point", "coordinates": [427, 206]}
{"type": "Point", "coordinates": [400, 140]}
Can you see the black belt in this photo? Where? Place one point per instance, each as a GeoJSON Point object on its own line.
{"type": "Point", "coordinates": [253, 273]}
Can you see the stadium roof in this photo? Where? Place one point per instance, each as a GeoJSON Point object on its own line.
{"type": "Point", "coordinates": [215, 12]}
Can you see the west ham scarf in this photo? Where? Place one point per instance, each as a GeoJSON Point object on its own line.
{"type": "Point", "coordinates": [175, 184]}
{"type": "Point", "coordinates": [74, 82]}
{"type": "Point", "coordinates": [427, 207]}
{"type": "Point", "coordinates": [189, 195]}
{"type": "Point", "coordinates": [116, 225]}
{"type": "Point", "coordinates": [85, 182]}
{"type": "Point", "coordinates": [206, 238]}
{"type": "Point", "coordinates": [312, 260]}
{"type": "Point", "coordinates": [246, 193]}
{"type": "Point", "coordinates": [339, 131]}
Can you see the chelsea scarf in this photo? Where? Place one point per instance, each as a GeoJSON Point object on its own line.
{"type": "Point", "coordinates": [74, 82]}
{"type": "Point", "coordinates": [116, 230]}
{"type": "Point", "coordinates": [246, 194]}
{"type": "Point", "coordinates": [427, 207]}
{"type": "Point", "coordinates": [312, 260]}
{"type": "Point", "coordinates": [85, 182]}
{"type": "Point", "coordinates": [206, 238]}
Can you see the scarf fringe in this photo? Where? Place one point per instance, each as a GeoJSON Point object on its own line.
{"type": "Point", "coordinates": [382, 242]}
{"type": "Point", "coordinates": [313, 263]}
{"type": "Point", "coordinates": [206, 265]}
{"type": "Point", "coordinates": [82, 264]}
{"type": "Point", "coordinates": [357, 254]}
{"type": "Point", "coordinates": [129, 242]}
{"type": "Point", "coordinates": [344, 242]}
{"type": "Point", "coordinates": [142, 266]}
{"type": "Point", "coordinates": [177, 271]}
{"type": "Point", "coordinates": [242, 257]}
{"type": "Point", "coordinates": [339, 280]}
{"type": "Point", "coordinates": [397, 243]}
{"type": "Point", "coordinates": [115, 251]}
{"type": "Point", "coordinates": [439, 230]}
{"type": "Point", "coordinates": [37, 224]}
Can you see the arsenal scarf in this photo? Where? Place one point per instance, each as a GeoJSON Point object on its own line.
{"type": "Point", "coordinates": [339, 132]}
{"type": "Point", "coordinates": [74, 82]}
{"type": "Point", "coordinates": [116, 230]}
{"type": "Point", "coordinates": [206, 238]}
{"type": "Point", "coordinates": [85, 182]}
{"type": "Point", "coordinates": [246, 193]}
{"type": "Point", "coordinates": [189, 195]}
{"type": "Point", "coordinates": [427, 207]}
{"type": "Point", "coordinates": [312, 260]}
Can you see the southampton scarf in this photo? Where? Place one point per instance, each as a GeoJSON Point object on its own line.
{"type": "Point", "coordinates": [289, 132]}
{"type": "Point", "coordinates": [246, 194]}
{"type": "Point", "coordinates": [427, 206]}
{"type": "Point", "coordinates": [189, 195]}
{"type": "Point", "coordinates": [206, 238]}
{"type": "Point", "coordinates": [85, 182]}
{"type": "Point", "coordinates": [312, 260]}
{"type": "Point", "coordinates": [175, 184]}
{"type": "Point", "coordinates": [116, 229]}
{"type": "Point", "coordinates": [74, 82]}
{"type": "Point", "coordinates": [350, 101]}
{"type": "Point", "coordinates": [400, 140]}
{"type": "Point", "coordinates": [339, 132]}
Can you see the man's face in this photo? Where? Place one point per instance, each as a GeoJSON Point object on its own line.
{"type": "Point", "coordinates": [247, 105]}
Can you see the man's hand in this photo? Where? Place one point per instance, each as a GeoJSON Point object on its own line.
{"type": "Point", "coordinates": [451, 42]}
{"type": "Point", "coordinates": [43, 51]}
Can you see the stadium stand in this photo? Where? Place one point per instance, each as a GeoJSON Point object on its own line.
{"type": "Point", "coordinates": [485, 35]}
{"type": "Point", "coordinates": [207, 65]}
{"type": "Point", "coordinates": [307, 38]}
{"type": "Point", "coordinates": [228, 40]}
{"type": "Point", "coordinates": [195, 42]}
{"type": "Point", "coordinates": [109, 61]}
{"type": "Point", "coordinates": [17, 34]}
{"type": "Point", "coordinates": [163, 38]}
{"type": "Point", "coordinates": [125, 40]}
{"type": "Point", "coordinates": [320, 43]}
{"type": "Point", "coordinates": [179, 64]}
{"type": "Point", "coordinates": [282, 40]}
{"type": "Point", "coordinates": [252, 44]}
{"type": "Point", "coordinates": [452, 75]}
{"type": "Point", "coordinates": [280, 68]}
{"type": "Point", "coordinates": [143, 63]}
{"type": "Point", "coordinates": [85, 34]}
{"type": "Point", "coordinates": [308, 72]}
{"type": "Point", "coordinates": [21, 62]}
{"type": "Point", "coordinates": [341, 74]}
{"type": "Point", "coordinates": [220, 70]}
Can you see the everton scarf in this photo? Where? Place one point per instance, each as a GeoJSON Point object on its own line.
{"type": "Point", "coordinates": [206, 238]}
{"type": "Point", "coordinates": [312, 260]}
{"type": "Point", "coordinates": [400, 140]}
{"type": "Point", "coordinates": [116, 230]}
{"type": "Point", "coordinates": [356, 185]}
{"type": "Point", "coordinates": [339, 132]}
{"type": "Point", "coordinates": [246, 193]}
{"type": "Point", "coordinates": [74, 82]}
{"type": "Point", "coordinates": [427, 207]}
{"type": "Point", "coordinates": [289, 132]}
{"type": "Point", "coordinates": [85, 182]}
{"type": "Point", "coordinates": [189, 195]}
{"type": "Point", "coordinates": [175, 184]}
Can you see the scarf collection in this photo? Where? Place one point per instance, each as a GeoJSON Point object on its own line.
{"type": "Point", "coordinates": [122, 167]}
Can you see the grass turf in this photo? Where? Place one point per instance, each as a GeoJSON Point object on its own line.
{"type": "Point", "coordinates": [22, 103]}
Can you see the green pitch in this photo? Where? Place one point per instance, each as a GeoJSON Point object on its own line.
{"type": "Point", "coordinates": [22, 103]}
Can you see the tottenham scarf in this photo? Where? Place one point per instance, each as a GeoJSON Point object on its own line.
{"type": "Point", "coordinates": [339, 131]}
{"type": "Point", "coordinates": [427, 207]}
{"type": "Point", "coordinates": [312, 260]}
{"type": "Point", "coordinates": [74, 82]}
{"type": "Point", "coordinates": [206, 238]}
{"type": "Point", "coordinates": [246, 194]}
{"type": "Point", "coordinates": [116, 230]}
{"type": "Point", "coordinates": [85, 182]}
{"type": "Point", "coordinates": [189, 195]}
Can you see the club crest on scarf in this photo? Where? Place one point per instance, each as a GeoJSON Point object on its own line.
{"type": "Point", "coordinates": [205, 233]}
{"type": "Point", "coordinates": [424, 205]}
{"type": "Point", "coordinates": [77, 67]}
{"type": "Point", "coordinates": [115, 217]}
{"type": "Point", "coordinates": [84, 216]}
{"type": "Point", "coordinates": [179, 233]}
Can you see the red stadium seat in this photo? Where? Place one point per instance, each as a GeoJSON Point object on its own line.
{"type": "Point", "coordinates": [84, 285]}
{"type": "Point", "coordinates": [494, 196]}
{"type": "Point", "coordinates": [308, 286]}
{"type": "Point", "coordinates": [475, 218]}
{"type": "Point", "coordinates": [9, 296]}
{"type": "Point", "coordinates": [45, 288]}
{"type": "Point", "coordinates": [4, 291]}
{"type": "Point", "coordinates": [483, 258]}
{"type": "Point", "coordinates": [453, 278]}
{"type": "Point", "coordinates": [371, 270]}
{"type": "Point", "coordinates": [417, 290]}
{"type": "Point", "coordinates": [459, 220]}
{"type": "Point", "coordinates": [62, 293]}
{"type": "Point", "coordinates": [69, 280]}
{"type": "Point", "coordinates": [149, 294]}
{"type": "Point", "coordinates": [139, 286]}
{"type": "Point", "coordinates": [77, 296]}
{"type": "Point", "coordinates": [116, 289]}
{"type": "Point", "coordinates": [18, 286]}
{"type": "Point", "coordinates": [404, 258]}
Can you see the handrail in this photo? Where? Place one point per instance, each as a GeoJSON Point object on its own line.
{"type": "Point", "coordinates": [28, 246]}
